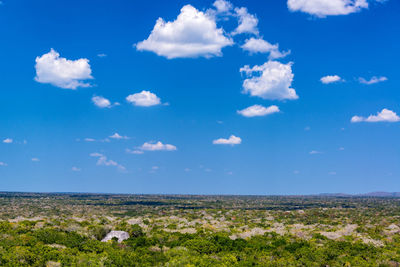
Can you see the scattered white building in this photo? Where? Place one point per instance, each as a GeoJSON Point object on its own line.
{"type": "Point", "coordinates": [121, 235]}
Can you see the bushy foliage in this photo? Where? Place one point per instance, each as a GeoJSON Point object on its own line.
{"type": "Point", "coordinates": [158, 238]}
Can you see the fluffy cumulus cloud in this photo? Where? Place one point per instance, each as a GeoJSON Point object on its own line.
{"type": "Point", "coordinates": [101, 102]}
{"type": "Point", "coordinates": [62, 72]}
{"type": "Point", "coordinates": [102, 160]}
{"type": "Point", "coordinates": [330, 79]}
{"type": "Point", "coordinates": [373, 80]}
{"type": "Point", "coordinates": [158, 146]}
{"type": "Point", "coordinates": [258, 45]}
{"type": "Point", "coordinates": [258, 110]}
{"type": "Point", "coordinates": [323, 8]}
{"type": "Point", "coordinates": [193, 34]}
{"type": "Point", "coordinates": [247, 22]}
{"type": "Point", "coordinates": [232, 140]}
{"type": "Point", "coordinates": [385, 115]}
{"type": "Point", "coordinates": [7, 141]}
{"type": "Point", "coordinates": [143, 99]}
{"type": "Point", "coordinates": [272, 80]}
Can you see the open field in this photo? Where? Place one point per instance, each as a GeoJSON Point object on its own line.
{"type": "Point", "coordinates": [180, 230]}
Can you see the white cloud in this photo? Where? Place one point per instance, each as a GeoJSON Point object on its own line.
{"type": "Point", "coordinates": [222, 6]}
{"type": "Point", "coordinates": [101, 102]}
{"type": "Point", "coordinates": [258, 110]}
{"type": "Point", "coordinates": [143, 99]}
{"type": "Point", "coordinates": [192, 34]}
{"type": "Point", "coordinates": [313, 152]}
{"type": "Point", "coordinates": [258, 45]}
{"type": "Point", "coordinates": [158, 146]}
{"type": "Point", "coordinates": [330, 79]}
{"type": "Point", "coordinates": [89, 140]}
{"type": "Point", "coordinates": [272, 82]}
{"type": "Point", "coordinates": [118, 136]}
{"type": "Point", "coordinates": [373, 80]}
{"type": "Point", "coordinates": [35, 159]}
{"type": "Point", "coordinates": [76, 169]}
{"type": "Point", "coordinates": [103, 161]}
{"type": "Point", "coordinates": [136, 151]}
{"type": "Point", "coordinates": [323, 8]}
{"type": "Point", "coordinates": [101, 55]}
{"type": "Point", "coordinates": [332, 173]}
{"type": "Point", "coordinates": [232, 140]}
{"type": "Point", "coordinates": [62, 72]}
{"type": "Point", "coordinates": [7, 141]}
{"type": "Point", "coordinates": [385, 115]}
{"type": "Point", "coordinates": [247, 22]}
{"type": "Point", "coordinates": [3, 164]}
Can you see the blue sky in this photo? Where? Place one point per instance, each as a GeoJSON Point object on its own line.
{"type": "Point", "coordinates": [240, 97]}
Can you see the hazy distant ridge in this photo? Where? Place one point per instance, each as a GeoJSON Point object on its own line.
{"type": "Point", "coordinates": [371, 194]}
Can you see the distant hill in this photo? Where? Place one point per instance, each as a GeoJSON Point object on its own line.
{"type": "Point", "coordinates": [334, 195]}
{"type": "Point", "coordinates": [371, 194]}
{"type": "Point", "coordinates": [381, 194]}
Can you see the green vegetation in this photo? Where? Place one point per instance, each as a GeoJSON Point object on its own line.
{"type": "Point", "coordinates": [67, 229]}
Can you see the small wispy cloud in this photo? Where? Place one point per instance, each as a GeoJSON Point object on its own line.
{"type": "Point", "coordinates": [258, 111]}
{"type": "Point", "coordinates": [331, 79]}
{"type": "Point", "coordinates": [134, 151]}
{"type": "Point", "coordinates": [232, 140]}
{"type": "Point", "coordinates": [76, 169]}
{"type": "Point", "coordinates": [3, 164]}
{"type": "Point", "coordinates": [103, 102]}
{"type": "Point", "coordinates": [157, 146]}
{"type": "Point", "coordinates": [104, 161]}
{"type": "Point", "coordinates": [373, 80]}
{"type": "Point", "coordinates": [314, 152]}
{"type": "Point", "coordinates": [258, 45]}
{"type": "Point", "coordinates": [118, 136]}
{"type": "Point", "coordinates": [7, 141]}
{"type": "Point", "coordinates": [35, 159]}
